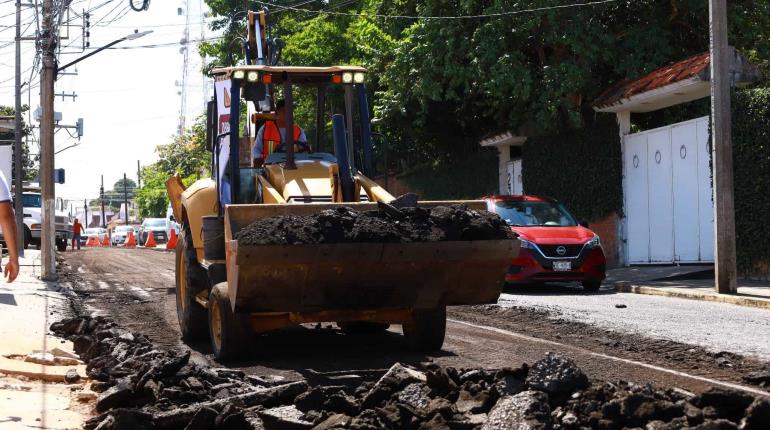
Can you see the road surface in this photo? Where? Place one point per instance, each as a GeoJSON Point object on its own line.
{"type": "Point", "coordinates": [136, 288]}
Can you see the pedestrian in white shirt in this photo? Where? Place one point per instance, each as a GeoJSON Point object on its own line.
{"type": "Point", "coordinates": [8, 226]}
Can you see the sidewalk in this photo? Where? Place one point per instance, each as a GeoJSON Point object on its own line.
{"type": "Point", "coordinates": [36, 395]}
{"type": "Point", "coordinates": [688, 282]}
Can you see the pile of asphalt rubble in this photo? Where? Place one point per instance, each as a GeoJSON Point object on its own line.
{"type": "Point", "coordinates": [144, 388]}
{"type": "Point", "coordinates": [389, 224]}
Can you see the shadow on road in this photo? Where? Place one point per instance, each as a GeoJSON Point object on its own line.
{"type": "Point", "coordinates": [326, 355]}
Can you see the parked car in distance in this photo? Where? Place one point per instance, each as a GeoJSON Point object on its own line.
{"type": "Point", "coordinates": [554, 246]}
{"type": "Point", "coordinates": [155, 225]}
{"type": "Point", "coordinates": [120, 233]}
{"type": "Point", "coordinates": [98, 232]}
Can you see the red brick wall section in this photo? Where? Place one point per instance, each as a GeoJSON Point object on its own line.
{"type": "Point", "coordinates": [607, 229]}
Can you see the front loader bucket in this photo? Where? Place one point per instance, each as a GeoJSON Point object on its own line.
{"type": "Point", "coordinates": [359, 276]}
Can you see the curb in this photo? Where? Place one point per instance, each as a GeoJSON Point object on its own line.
{"type": "Point", "coordinates": [626, 287]}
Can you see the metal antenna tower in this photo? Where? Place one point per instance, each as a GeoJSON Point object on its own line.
{"type": "Point", "coordinates": [186, 62]}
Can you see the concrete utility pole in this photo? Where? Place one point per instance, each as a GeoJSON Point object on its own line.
{"type": "Point", "coordinates": [48, 233]}
{"type": "Point", "coordinates": [125, 197]}
{"type": "Point", "coordinates": [101, 197]}
{"type": "Point", "coordinates": [138, 175]}
{"type": "Point", "coordinates": [722, 152]}
{"type": "Point", "coordinates": [17, 155]}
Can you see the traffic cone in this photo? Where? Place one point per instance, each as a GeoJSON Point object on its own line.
{"type": "Point", "coordinates": [92, 241]}
{"type": "Point", "coordinates": [130, 240]}
{"type": "Point", "coordinates": [106, 240]}
{"type": "Point", "coordinates": [171, 244]}
{"type": "Point", "coordinates": [150, 241]}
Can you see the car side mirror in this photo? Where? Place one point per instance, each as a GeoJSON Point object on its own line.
{"type": "Point", "coordinates": [583, 223]}
{"type": "Point", "coordinates": [171, 217]}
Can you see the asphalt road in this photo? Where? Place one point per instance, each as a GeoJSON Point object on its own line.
{"type": "Point", "coordinates": [714, 326]}
{"type": "Point", "coordinates": [136, 288]}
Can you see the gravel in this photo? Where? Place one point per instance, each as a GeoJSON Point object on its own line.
{"type": "Point", "coordinates": [144, 388]}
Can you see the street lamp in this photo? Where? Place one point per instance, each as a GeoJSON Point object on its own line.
{"type": "Point", "coordinates": [132, 36]}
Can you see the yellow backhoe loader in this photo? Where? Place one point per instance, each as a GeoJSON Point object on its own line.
{"type": "Point", "coordinates": [230, 291]}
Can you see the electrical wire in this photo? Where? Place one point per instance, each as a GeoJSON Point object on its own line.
{"type": "Point", "coordinates": [455, 17]}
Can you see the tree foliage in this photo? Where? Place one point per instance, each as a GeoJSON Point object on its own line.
{"type": "Point", "coordinates": [439, 85]}
{"type": "Point", "coordinates": [186, 156]}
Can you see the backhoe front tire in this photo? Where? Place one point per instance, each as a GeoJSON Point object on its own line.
{"type": "Point", "coordinates": [426, 333]}
{"type": "Point", "coordinates": [228, 332]}
{"type": "Point", "coordinates": [190, 280]}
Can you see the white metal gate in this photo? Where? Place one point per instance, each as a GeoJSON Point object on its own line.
{"type": "Point", "coordinates": [515, 183]}
{"type": "Point", "coordinates": [667, 193]}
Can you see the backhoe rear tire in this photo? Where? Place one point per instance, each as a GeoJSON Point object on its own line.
{"type": "Point", "coordinates": [229, 333]}
{"type": "Point", "coordinates": [427, 332]}
{"type": "Point", "coordinates": [358, 328]}
{"type": "Point", "coordinates": [190, 280]}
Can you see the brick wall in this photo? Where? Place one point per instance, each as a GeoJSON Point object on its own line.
{"type": "Point", "coordinates": [607, 229]}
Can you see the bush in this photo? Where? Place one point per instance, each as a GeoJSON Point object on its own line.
{"type": "Point", "coordinates": [751, 161]}
{"type": "Point", "coordinates": [469, 177]}
{"type": "Point", "coordinates": [580, 168]}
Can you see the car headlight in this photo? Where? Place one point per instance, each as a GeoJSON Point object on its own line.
{"type": "Point", "coordinates": [594, 242]}
{"type": "Point", "coordinates": [526, 244]}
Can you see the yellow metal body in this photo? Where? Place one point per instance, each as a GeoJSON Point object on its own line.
{"type": "Point", "coordinates": [279, 286]}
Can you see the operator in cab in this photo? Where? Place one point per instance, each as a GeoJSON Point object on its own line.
{"type": "Point", "coordinates": [271, 135]}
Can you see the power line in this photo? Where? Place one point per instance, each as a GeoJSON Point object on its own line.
{"type": "Point", "coordinates": [456, 17]}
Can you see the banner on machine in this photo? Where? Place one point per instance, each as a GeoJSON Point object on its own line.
{"type": "Point", "coordinates": [222, 87]}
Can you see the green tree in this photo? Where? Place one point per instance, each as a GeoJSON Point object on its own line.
{"type": "Point", "coordinates": [186, 156]}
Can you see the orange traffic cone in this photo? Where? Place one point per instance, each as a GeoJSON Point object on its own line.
{"type": "Point", "coordinates": [130, 240]}
{"type": "Point", "coordinates": [150, 241]}
{"type": "Point", "coordinates": [171, 244]}
{"type": "Point", "coordinates": [92, 241]}
{"type": "Point", "coordinates": [106, 240]}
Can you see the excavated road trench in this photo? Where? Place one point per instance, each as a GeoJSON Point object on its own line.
{"type": "Point", "coordinates": [136, 289]}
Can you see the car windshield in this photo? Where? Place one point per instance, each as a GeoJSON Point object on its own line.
{"type": "Point", "coordinates": [123, 228]}
{"type": "Point", "coordinates": [31, 200]}
{"type": "Point", "coordinates": [534, 213]}
{"type": "Point", "coordinates": [159, 222]}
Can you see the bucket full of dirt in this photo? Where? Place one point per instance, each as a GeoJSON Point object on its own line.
{"type": "Point", "coordinates": [361, 256]}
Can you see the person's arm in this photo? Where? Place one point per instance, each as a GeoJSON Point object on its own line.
{"type": "Point", "coordinates": [256, 152]}
{"type": "Point", "coordinates": [8, 223]}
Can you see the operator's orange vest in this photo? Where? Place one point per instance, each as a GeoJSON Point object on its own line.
{"type": "Point", "coordinates": [271, 138]}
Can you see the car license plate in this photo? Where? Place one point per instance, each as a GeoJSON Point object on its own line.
{"type": "Point", "coordinates": [562, 266]}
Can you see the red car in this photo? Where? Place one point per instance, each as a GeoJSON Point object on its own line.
{"type": "Point", "coordinates": [554, 246]}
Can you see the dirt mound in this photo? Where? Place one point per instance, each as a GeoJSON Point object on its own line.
{"type": "Point", "coordinates": [143, 388]}
{"type": "Point", "coordinates": [388, 224]}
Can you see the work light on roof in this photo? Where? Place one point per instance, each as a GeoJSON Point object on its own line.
{"type": "Point", "coordinates": [347, 78]}
{"type": "Point", "coordinates": [238, 74]}
{"type": "Point", "coordinates": [358, 78]}
{"type": "Point", "coordinates": [252, 76]}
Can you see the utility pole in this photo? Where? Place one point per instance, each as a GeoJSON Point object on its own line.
{"type": "Point", "coordinates": [48, 231]}
{"type": "Point", "coordinates": [138, 175]}
{"type": "Point", "coordinates": [722, 152]}
{"type": "Point", "coordinates": [86, 220]}
{"type": "Point", "coordinates": [17, 155]}
{"type": "Point", "coordinates": [101, 197]}
{"type": "Point", "coordinates": [125, 197]}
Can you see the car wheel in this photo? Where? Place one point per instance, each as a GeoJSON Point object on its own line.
{"type": "Point", "coordinates": [592, 286]}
